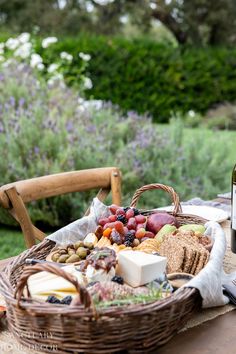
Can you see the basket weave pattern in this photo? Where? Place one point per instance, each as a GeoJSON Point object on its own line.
{"type": "Point", "coordinates": [136, 328]}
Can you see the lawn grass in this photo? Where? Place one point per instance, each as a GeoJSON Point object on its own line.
{"type": "Point", "coordinates": [11, 242]}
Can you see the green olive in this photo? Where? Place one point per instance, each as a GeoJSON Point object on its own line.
{"type": "Point", "coordinates": [73, 258]}
{"type": "Point", "coordinates": [82, 252]}
{"type": "Point", "coordinates": [55, 256]}
{"type": "Point", "coordinates": [62, 251]}
{"type": "Point", "coordinates": [63, 258]}
{"type": "Point", "coordinates": [78, 244]}
{"type": "Point", "coordinates": [71, 252]}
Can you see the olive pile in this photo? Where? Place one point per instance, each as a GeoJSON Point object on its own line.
{"type": "Point", "coordinates": [72, 253]}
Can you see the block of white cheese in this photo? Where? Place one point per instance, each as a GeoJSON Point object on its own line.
{"type": "Point", "coordinates": [138, 268]}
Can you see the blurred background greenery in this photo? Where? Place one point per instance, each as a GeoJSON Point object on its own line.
{"type": "Point", "coordinates": [149, 86]}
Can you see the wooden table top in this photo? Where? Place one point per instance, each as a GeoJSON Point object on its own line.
{"type": "Point", "coordinates": [215, 336]}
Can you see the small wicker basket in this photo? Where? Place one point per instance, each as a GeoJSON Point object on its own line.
{"type": "Point", "coordinates": [138, 328]}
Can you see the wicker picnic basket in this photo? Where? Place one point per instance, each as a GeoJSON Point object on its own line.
{"type": "Point", "coordinates": [137, 328]}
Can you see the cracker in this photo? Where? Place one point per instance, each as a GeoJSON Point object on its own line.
{"type": "Point", "coordinates": [190, 257]}
{"type": "Point", "coordinates": [190, 254]}
{"type": "Point", "coordinates": [195, 263]}
{"type": "Point", "coordinates": [201, 262]}
{"type": "Point", "coordinates": [187, 239]}
{"type": "Point", "coordinates": [174, 252]}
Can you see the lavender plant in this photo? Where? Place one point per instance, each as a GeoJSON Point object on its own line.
{"type": "Point", "coordinates": [46, 130]}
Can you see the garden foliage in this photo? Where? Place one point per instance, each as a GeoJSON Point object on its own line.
{"type": "Point", "coordinates": [47, 129]}
{"type": "Point", "coordinates": [149, 77]}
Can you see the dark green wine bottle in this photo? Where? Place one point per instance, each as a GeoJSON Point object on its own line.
{"type": "Point", "coordinates": [233, 211]}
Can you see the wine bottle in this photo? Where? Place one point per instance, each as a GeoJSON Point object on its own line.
{"type": "Point", "coordinates": [233, 211]}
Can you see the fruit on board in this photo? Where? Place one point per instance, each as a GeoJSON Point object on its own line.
{"type": "Point", "coordinates": [121, 218]}
{"type": "Point", "coordinates": [120, 211]}
{"type": "Point", "coordinates": [193, 227]}
{"type": "Point", "coordinates": [165, 230]}
{"type": "Point", "coordinates": [119, 226]}
{"type": "Point", "coordinates": [107, 232]}
{"type": "Point", "coordinates": [113, 208]}
{"type": "Point", "coordinates": [140, 226]}
{"type": "Point", "coordinates": [115, 237]}
{"type": "Point", "coordinates": [131, 224]}
{"type": "Point", "coordinates": [129, 214]}
{"type": "Point", "coordinates": [140, 233]}
{"type": "Point", "coordinates": [103, 221]}
{"type": "Point", "coordinates": [149, 234]}
{"type": "Point", "coordinates": [140, 219]}
{"type": "Point", "coordinates": [157, 220]}
{"type": "Point", "coordinates": [129, 239]}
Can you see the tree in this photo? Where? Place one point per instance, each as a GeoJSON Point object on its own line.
{"type": "Point", "coordinates": [198, 22]}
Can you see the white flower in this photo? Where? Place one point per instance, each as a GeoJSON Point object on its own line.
{"type": "Point", "coordinates": [81, 100]}
{"type": "Point", "coordinates": [88, 83]}
{"type": "Point", "coordinates": [66, 56]}
{"type": "Point", "coordinates": [21, 67]}
{"type": "Point", "coordinates": [24, 37]}
{"type": "Point", "coordinates": [35, 60]}
{"type": "Point", "coordinates": [85, 57]}
{"type": "Point", "coordinates": [40, 66]}
{"type": "Point", "coordinates": [191, 113]}
{"type": "Point", "coordinates": [23, 51]}
{"type": "Point", "coordinates": [94, 104]}
{"type": "Point", "coordinates": [52, 68]}
{"type": "Point", "coordinates": [2, 58]}
{"type": "Point", "coordinates": [12, 43]}
{"type": "Point", "coordinates": [47, 41]}
{"type": "Point", "coordinates": [7, 63]}
{"type": "Point", "coordinates": [55, 78]}
{"type": "Point", "coordinates": [1, 50]}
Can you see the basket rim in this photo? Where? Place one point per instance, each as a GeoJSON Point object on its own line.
{"type": "Point", "coordinates": [179, 215]}
{"type": "Point", "coordinates": [36, 307]}
{"type": "Point", "coordinates": [30, 305]}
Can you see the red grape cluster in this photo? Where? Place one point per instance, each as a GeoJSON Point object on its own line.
{"type": "Point", "coordinates": [125, 226]}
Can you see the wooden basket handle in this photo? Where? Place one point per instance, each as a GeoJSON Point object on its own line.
{"type": "Point", "coordinates": [85, 298]}
{"type": "Point", "coordinates": [170, 190]}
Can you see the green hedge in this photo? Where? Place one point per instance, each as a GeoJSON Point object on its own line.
{"type": "Point", "coordinates": [149, 77]}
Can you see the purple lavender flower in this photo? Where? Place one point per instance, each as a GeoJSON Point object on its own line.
{"type": "Point", "coordinates": [21, 102]}
{"type": "Point", "coordinates": [69, 126]}
{"type": "Point", "coordinates": [12, 101]}
{"type": "Point", "coordinates": [36, 150]}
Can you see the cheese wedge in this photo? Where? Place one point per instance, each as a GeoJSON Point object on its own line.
{"type": "Point", "coordinates": [138, 268]}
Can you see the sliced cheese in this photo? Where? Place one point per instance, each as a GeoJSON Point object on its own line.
{"type": "Point", "coordinates": [138, 268]}
{"type": "Point", "coordinates": [44, 283]}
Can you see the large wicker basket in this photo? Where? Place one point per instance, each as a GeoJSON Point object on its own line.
{"type": "Point", "coordinates": [82, 329]}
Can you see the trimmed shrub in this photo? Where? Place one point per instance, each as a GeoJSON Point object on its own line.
{"type": "Point", "coordinates": [149, 77]}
